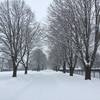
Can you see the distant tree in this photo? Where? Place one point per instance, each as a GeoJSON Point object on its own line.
{"type": "Point", "coordinates": [55, 58]}
{"type": "Point", "coordinates": [38, 60]}
{"type": "Point", "coordinates": [97, 61]}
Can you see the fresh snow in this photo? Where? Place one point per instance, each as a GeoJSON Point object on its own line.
{"type": "Point", "coordinates": [47, 85]}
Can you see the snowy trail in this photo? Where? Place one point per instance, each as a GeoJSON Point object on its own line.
{"type": "Point", "coordinates": [47, 85]}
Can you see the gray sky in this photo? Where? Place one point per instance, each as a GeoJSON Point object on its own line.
{"type": "Point", "coordinates": [40, 8]}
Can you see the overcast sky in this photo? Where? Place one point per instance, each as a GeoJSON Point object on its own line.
{"type": "Point", "coordinates": [40, 8]}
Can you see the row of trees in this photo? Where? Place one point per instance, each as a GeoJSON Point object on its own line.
{"type": "Point", "coordinates": [18, 32]}
{"type": "Point", "coordinates": [74, 33]}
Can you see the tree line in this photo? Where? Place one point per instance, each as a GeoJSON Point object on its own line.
{"type": "Point", "coordinates": [19, 32]}
{"type": "Point", "coordinates": [74, 34]}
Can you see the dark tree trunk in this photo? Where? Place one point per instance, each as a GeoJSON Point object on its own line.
{"type": "Point", "coordinates": [71, 71]}
{"type": "Point", "coordinates": [14, 71]}
{"type": "Point", "coordinates": [87, 72]}
{"type": "Point", "coordinates": [27, 63]}
{"type": "Point", "coordinates": [64, 67]}
{"type": "Point", "coordinates": [26, 68]}
{"type": "Point", "coordinates": [38, 67]}
{"type": "Point", "coordinates": [14, 67]}
{"type": "Point", "coordinates": [56, 67]}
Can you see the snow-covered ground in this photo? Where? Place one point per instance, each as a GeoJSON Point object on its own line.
{"type": "Point", "coordinates": [47, 85]}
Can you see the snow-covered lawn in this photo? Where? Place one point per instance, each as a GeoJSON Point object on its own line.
{"type": "Point", "coordinates": [47, 85]}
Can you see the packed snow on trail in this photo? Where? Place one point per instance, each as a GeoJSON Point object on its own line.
{"type": "Point", "coordinates": [47, 85]}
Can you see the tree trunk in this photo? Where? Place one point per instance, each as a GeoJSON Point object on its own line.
{"type": "Point", "coordinates": [14, 67]}
{"type": "Point", "coordinates": [71, 71]}
{"type": "Point", "coordinates": [27, 62]}
{"type": "Point", "coordinates": [38, 67]}
{"type": "Point", "coordinates": [64, 67]}
{"type": "Point", "coordinates": [56, 67]}
{"type": "Point", "coordinates": [87, 72]}
{"type": "Point", "coordinates": [14, 70]}
{"type": "Point", "coordinates": [26, 68]}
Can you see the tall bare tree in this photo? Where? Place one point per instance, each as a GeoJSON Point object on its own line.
{"type": "Point", "coordinates": [14, 19]}
{"type": "Point", "coordinates": [61, 33]}
{"type": "Point", "coordinates": [33, 33]}
{"type": "Point", "coordinates": [81, 21]}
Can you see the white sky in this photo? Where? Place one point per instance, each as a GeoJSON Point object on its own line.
{"type": "Point", "coordinates": [40, 8]}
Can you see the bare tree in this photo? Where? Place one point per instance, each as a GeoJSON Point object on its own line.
{"type": "Point", "coordinates": [55, 57]}
{"type": "Point", "coordinates": [38, 60]}
{"type": "Point", "coordinates": [80, 20]}
{"type": "Point", "coordinates": [32, 35]}
{"type": "Point", "coordinates": [61, 33]}
{"type": "Point", "coordinates": [14, 17]}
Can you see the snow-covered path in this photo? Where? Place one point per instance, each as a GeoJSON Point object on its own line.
{"type": "Point", "coordinates": [47, 85]}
